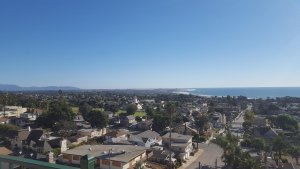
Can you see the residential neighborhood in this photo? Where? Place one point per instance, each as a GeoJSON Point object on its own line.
{"type": "Point", "coordinates": [120, 135]}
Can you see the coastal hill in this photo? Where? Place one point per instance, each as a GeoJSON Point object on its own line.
{"type": "Point", "coordinates": [10, 87]}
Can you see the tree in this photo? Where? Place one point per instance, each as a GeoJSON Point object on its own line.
{"type": "Point", "coordinates": [131, 109]}
{"type": "Point", "coordinates": [249, 116]}
{"type": "Point", "coordinates": [295, 153]}
{"type": "Point", "coordinates": [160, 122]}
{"type": "Point", "coordinates": [7, 128]}
{"type": "Point", "coordinates": [201, 123]}
{"type": "Point", "coordinates": [98, 119]}
{"type": "Point", "coordinates": [286, 122]}
{"type": "Point", "coordinates": [111, 106]}
{"type": "Point", "coordinates": [64, 128]}
{"type": "Point", "coordinates": [279, 145]}
{"type": "Point", "coordinates": [149, 111]}
{"type": "Point", "coordinates": [258, 144]}
{"type": "Point", "coordinates": [58, 110]}
{"type": "Point", "coordinates": [84, 109]}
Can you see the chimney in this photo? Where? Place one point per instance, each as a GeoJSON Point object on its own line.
{"type": "Point", "coordinates": [29, 128]}
{"type": "Point", "coordinates": [50, 157]}
{"type": "Point", "coordinates": [63, 145]}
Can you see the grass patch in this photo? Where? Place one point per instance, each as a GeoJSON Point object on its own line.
{"type": "Point", "coordinates": [140, 114]}
{"type": "Point", "coordinates": [120, 111]}
{"type": "Point", "coordinates": [98, 109]}
{"type": "Point", "coordinates": [75, 109]}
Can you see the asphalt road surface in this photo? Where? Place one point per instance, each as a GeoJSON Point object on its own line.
{"type": "Point", "coordinates": [208, 157]}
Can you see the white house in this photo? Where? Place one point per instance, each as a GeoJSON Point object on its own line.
{"type": "Point", "coordinates": [146, 139]}
{"type": "Point", "coordinates": [180, 144]}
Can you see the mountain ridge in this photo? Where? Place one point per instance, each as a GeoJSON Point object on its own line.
{"type": "Point", "coordinates": [12, 87]}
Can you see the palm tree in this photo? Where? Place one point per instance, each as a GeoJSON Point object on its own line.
{"type": "Point", "coordinates": [279, 145]}
{"type": "Point", "coordinates": [259, 145]}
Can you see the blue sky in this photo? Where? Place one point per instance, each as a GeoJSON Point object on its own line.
{"type": "Point", "coordinates": [150, 43]}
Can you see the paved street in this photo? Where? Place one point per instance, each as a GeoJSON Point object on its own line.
{"type": "Point", "coordinates": [208, 157]}
{"type": "Point", "coordinates": [237, 123]}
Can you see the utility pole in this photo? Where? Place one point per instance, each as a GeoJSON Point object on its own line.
{"type": "Point", "coordinates": [109, 153]}
{"type": "Point", "coordinates": [200, 166]}
{"type": "Point", "coordinates": [216, 163]}
{"type": "Point", "coordinates": [170, 110]}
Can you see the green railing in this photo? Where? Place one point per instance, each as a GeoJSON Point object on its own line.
{"type": "Point", "coordinates": [9, 162]}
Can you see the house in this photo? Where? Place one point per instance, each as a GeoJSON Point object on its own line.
{"type": "Point", "coordinates": [265, 132]}
{"type": "Point", "coordinates": [259, 121]}
{"type": "Point", "coordinates": [41, 142]}
{"type": "Point", "coordinates": [116, 136]}
{"type": "Point", "coordinates": [18, 137]}
{"type": "Point", "coordinates": [146, 139]}
{"type": "Point", "coordinates": [137, 103]}
{"type": "Point", "coordinates": [145, 125]}
{"type": "Point", "coordinates": [107, 156]}
{"type": "Point", "coordinates": [185, 129]}
{"type": "Point", "coordinates": [180, 144]}
{"type": "Point", "coordinates": [91, 133]}
{"type": "Point", "coordinates": [13, 111]}
{"type": "Point", "coordinates": [128, 120]}
{"type": "Point", "coordinates": [25, 119]}
{"type": "Point", "coordinates": [28, 116]}
{"type": "Point", "coordinates": [77, 139]}
{"type": "Point", "coordinates": [83, 125]}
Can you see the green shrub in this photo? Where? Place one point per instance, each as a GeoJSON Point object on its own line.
{"type": "Point", "coordinates": [284, 160]}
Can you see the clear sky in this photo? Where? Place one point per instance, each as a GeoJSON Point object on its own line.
{"type": "Point", "coordinates": [150, 43]}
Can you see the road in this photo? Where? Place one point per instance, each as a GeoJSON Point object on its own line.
{"type": "Point", "coordinates": [237, 124]}
{"type": "Point", "coordinates": [208, 157]}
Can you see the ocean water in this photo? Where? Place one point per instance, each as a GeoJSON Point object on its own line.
{"type": "Point", "coordinates": [253, 92]}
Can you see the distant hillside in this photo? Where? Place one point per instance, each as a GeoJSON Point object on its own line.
{"type": "Point", "coordinates": [9, 87]}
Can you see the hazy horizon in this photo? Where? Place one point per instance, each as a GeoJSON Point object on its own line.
{"type": "Point", "coordinates": [155, 88]}
{"type": "Point", "coordinates": [150, 44]}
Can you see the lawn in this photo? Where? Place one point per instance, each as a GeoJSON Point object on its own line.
{"type": "Point", "coordinates": [140, 114]}
{"type": "Point", "coordinates": [75, 109]}
{"type": "Point", "coordinates": [98, 109]}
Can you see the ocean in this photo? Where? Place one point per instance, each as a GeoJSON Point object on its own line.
{"type": "Point", "coordinates": [252, 92]}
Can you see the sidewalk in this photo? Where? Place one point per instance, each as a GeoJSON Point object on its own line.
{"type": "Point", "coordinates": [191, 159]}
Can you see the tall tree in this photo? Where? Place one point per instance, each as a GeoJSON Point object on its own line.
{"type": "Point", "coordinates": [85, 109]}
{"type": "Point", "coordinates": [65, 128]}
{"type": "Point", "coordinates": [131, 109]}
{"type": "Point", "coordinates": [98, 119]}
{"type": "Point", "coordinates": [279, 145]}
{"type": "Point", "coordinates": [201, 123]}
{"type": "Point", "coordinates": [58, 110]}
